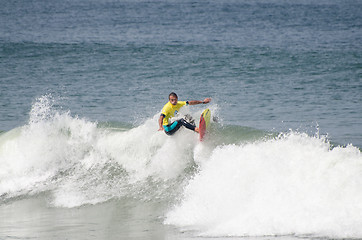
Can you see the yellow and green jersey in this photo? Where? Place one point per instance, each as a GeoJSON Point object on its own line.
{"type": "Point", "coordinates": [170, 110]}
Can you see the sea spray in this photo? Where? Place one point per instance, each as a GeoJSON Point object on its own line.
{"type": "Point", "coordinates": [237, 183]}
{"type": "Point", "coordinates": [34, 154]}
{"type": "Point", "coordinates": [79, 163]}
{"type": "Point", "coordinates": [294, 184]}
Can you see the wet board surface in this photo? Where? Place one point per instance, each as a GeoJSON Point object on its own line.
{"type": "Point", "coordinates": [204, 123]}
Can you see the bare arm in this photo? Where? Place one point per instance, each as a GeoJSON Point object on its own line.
{"type": "Point", "coordinates": [195, 102]}
{"type": "Point", "coordinates": [160, 121]}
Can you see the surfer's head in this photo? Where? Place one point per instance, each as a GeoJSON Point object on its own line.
{"type": "Point", "coordinates": [172, 97]}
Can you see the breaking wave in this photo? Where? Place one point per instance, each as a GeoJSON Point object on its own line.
{"type": "Point", "coordinates": [239, 182]}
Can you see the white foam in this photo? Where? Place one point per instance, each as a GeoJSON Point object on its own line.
{"type": "Point", "coordinates": [294, 184]}
{"type": "Point", "coordinates": [55, 147]}
{"type": "Point", "coordinates": [291, 185]}
{"type": "Point", "coordinates": [38, 151]}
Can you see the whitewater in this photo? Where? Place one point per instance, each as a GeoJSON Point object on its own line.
{"type": "Point", "coordinates": [238, 183]}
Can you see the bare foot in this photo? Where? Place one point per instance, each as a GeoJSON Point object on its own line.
{"type": "Point", "coordinates": [197, 129]}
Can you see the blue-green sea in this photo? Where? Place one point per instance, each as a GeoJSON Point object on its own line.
{"type": "Point", "coordinates": [82, 84]}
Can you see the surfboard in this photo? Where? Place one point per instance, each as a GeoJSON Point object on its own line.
{"type": "Point", "coordinates": [204, 123]}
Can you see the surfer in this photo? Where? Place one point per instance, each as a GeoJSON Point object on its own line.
{"type": "Point", "coordinates": [170, 109]}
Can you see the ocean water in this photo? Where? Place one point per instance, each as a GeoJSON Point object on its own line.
{"type": "Point", "coordinates": [82, 84]}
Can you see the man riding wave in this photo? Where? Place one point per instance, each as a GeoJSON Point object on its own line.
{"type": "Point", "coordinates": [170, 109]}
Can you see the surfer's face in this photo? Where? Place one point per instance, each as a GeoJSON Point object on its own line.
{"type": "Point", "coordinates": [173, 100]}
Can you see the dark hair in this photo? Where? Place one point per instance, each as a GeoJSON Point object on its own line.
{"type": "Point", "coordinates": [172, 94]}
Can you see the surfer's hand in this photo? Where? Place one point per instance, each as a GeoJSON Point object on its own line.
{"type": "Point", "coordinates": [160, 129]}
{"type": "Point", "coordinates": [207, 100]}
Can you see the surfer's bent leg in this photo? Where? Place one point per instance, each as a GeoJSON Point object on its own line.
{"type": "Point", "coordinates": [187, 124]}
{"type": "Point", "coordinates": [172, 128]}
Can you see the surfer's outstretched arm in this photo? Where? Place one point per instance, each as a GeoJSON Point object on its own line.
{"type": "Point", "coordinates": [195, 102]}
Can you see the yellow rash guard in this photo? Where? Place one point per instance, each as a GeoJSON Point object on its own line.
{"type": "Point", "coordinates": [170, 110]}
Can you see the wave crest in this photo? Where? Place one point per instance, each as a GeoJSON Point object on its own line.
{"type": "Point", "coordinates": [294, 184]}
